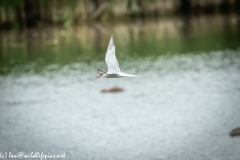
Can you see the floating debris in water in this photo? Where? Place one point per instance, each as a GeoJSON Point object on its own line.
{"type": "Point", "coordinates": [114, 89]}
{"type": "Point", "coordinates": [235, 132]}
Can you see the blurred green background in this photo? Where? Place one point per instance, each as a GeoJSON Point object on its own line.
{"type": "Point", "coordinates": [42, 32]}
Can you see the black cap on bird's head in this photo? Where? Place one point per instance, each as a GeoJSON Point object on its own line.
{"type": "Point", "coordinates": [100, 73]}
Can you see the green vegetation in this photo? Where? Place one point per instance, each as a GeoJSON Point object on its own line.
{"type": "Point", "coordinates": [32, 13]}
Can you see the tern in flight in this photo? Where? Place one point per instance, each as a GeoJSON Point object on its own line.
{"type": "Point", "coordinates": [112, 63]}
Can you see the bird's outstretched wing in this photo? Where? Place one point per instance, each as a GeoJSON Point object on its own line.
{"type": "Point", "coordinates": [110, 58]}
{"type": "Point", "coordinates": [100, 71]}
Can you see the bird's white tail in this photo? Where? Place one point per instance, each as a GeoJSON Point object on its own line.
{"type": "Point", "coordinates": [128, 75]}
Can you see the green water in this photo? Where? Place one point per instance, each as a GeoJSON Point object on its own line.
{"type": "Point", "coordinates": [139, 39]}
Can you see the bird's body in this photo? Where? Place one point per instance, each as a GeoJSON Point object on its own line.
{"type": "Point", "coordinates": [112, 63]}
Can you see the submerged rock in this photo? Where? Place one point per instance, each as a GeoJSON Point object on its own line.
{"type": "Point", "coordinates": [235, 132]}
{"type": "Point", "coordinates": [114, 89]}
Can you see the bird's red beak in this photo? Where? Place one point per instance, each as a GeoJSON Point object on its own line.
{"type": "Point", "coordinates": [98, 76]}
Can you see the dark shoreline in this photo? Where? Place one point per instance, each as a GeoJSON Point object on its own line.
{"type": "Point", "coordinates": [24, 14]}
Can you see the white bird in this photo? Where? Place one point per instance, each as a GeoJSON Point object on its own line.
{"type": "Point", "coordinates": [112, 63]}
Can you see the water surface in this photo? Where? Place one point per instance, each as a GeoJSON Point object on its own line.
{"type": "Point", "coordinates": [181, 106]}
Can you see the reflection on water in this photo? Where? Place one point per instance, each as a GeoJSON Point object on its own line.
{"type": "Point", "coordinates": [134, 39]}
{"type": "Point", "coordinates": [182, 106]}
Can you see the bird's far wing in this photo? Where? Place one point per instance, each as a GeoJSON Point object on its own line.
{"type": "Point", "coordinates": [100, 71]}
{"type": "Point", "coordinates": [110, 58]}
